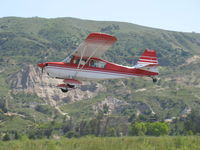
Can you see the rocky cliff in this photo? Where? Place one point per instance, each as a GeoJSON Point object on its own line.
{"type": "Point", "coordinates": [30, 80]}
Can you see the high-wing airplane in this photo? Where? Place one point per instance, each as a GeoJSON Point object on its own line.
{"type": "Point", "coordinates": [85, 64]}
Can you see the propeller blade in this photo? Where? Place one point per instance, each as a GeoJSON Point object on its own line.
{"type": "Point", "coordinates": [41, 65]}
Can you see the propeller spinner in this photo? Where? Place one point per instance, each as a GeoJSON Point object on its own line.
{"type": "Point", "coordinates": [42, 65]}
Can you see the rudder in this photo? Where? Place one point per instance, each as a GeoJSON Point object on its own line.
{"type": "Point", "coordinates": [148, 61]}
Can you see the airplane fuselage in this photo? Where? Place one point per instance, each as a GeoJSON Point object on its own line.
{"type": "Point", "coordinates": [103, 70]}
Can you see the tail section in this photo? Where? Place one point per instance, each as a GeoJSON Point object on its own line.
{"type": "Point", "coordinates": [148, 61]}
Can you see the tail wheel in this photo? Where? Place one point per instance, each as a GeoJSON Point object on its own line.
{"type": "Point", "coordinates": [64, 90]}
{"type": "Point", "coordinates": [154, 80]}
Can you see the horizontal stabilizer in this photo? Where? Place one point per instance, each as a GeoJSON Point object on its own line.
{"type": "Point", "coordinates": [145, 65]}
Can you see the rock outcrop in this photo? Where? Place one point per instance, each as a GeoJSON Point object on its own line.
{"type": "Point", "coordinates": [30, 80]}
{"type": "Point", "coordinates": [110, 105]}
{"type": "Point", "coordinates": [113, 105]}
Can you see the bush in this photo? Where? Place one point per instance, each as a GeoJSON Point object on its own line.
{"type": "Point", "coordinates": [43, 109]}
{"type": "Point", "coordinates": [72, 134]}
{"type": "Point", "coordinates": [154, 128]}
{"type": "Point", "coordinates": [157, 128]}
{"type": "Point", "coordinates": [6, 137]}
{"type": "Point", "coordinates": [138, 128]}
{"type": "Point", "coordinates": [111, 132]}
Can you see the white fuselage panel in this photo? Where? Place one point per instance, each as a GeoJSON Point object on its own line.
{"type": "Point", "coordinates": [61, 72]}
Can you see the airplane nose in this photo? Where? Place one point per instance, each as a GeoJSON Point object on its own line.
{"type": "Point", "coordinates": [41, 65]}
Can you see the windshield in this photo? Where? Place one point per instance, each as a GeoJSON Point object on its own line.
{"type": "Point", "coordinates": [68, 59]}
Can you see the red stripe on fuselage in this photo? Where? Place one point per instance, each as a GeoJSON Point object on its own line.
{"type": "Point", "coordinates": [117, 69]}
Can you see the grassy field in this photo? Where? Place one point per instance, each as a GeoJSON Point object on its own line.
{"type": "Point", "coordinates": [106, 143]}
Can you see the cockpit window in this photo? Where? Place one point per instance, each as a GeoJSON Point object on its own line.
{"type": "Point", "coordinates": [77, 61]}
{"type": "Point", "coordinates": [82, 62]}
{"type": "Point", "coordinates": [97, 63]}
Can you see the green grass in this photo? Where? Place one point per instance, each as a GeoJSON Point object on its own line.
{"type": "Point", "coordinates": [95, 143]}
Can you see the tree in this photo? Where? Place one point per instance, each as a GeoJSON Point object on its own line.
{"type": "Point", "coordinates": [16, 135]}
{"type": "Point", "coordinates": [72, 134]}
{"type": "Point", "coordinates": [138, 128]}
{"type": "Point", "coordinates": [143, 117]}
{"type": "Point", "coordinates": [105, 108]}
{"type": "Point", "coordinates": [157, 128]}
{"type": "Point", "coordinates": [6, 137]}
{"type": "Point", "coordinates": [111, 132]}
{"type": "Point", "coordinates": [3, 106]}
{"type": "Point", "coordinates": [192, 122]}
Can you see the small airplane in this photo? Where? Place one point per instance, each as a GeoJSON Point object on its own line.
{"type": "Point", "coordinates": [85, 64]}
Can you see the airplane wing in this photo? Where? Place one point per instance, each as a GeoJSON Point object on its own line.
{"type": "Point", "coordinates": [95, 45]}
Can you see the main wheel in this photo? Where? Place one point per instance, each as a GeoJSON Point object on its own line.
{"type": "Point", "coordinates": [64, 90]}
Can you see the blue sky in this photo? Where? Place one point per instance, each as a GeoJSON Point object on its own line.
{"type": "Point", "coordinates": [177, 15]}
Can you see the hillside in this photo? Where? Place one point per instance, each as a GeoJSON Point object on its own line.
{"type": "Point", "coordinates": [27, 99]}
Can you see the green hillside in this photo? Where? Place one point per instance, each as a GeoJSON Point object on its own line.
{"type": "Point", "coordinates": [25, 41]}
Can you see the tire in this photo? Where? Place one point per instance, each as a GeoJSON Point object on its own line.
{"type": "Point", "coordinates": [155, 80]}
{"type": "Point", "coordinates": [64, 90]}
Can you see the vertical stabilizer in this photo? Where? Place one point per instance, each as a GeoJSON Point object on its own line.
{"type": "Point", "coordinates": [148, 61]}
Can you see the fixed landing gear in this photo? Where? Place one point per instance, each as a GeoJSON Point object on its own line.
{"type": "Point", "coordinates": [67, 87]}
{"type": "Point", "coordinates": [154, 79]}
{"type": "Point", "coordinates": [64, 90]}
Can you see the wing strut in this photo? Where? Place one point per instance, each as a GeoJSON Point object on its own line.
{"type": "Point", "coordinates": [82, 53]}
{"type": "Point", "coordinates": [77, 70]}
{"type": "Point", "coordinates": [87, 58]}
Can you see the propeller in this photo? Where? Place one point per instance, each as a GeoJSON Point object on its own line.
{"type": "Point", "coordinates": [42, 65]}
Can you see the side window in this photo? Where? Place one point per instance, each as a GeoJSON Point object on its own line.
{"type": "Point", "coordinates": [83, 61]}
{"type": "Point", "coordinates": [92, 63]}
{"type": "Point", "coordinates": [77, 61]}
{"type": "Point", "coordinates": [98, 64]}
{"type": "Point", "coordinates": [101, 64]}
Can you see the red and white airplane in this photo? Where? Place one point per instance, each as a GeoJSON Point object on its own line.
{"type": "Point", "coordinates": [85, 63]}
